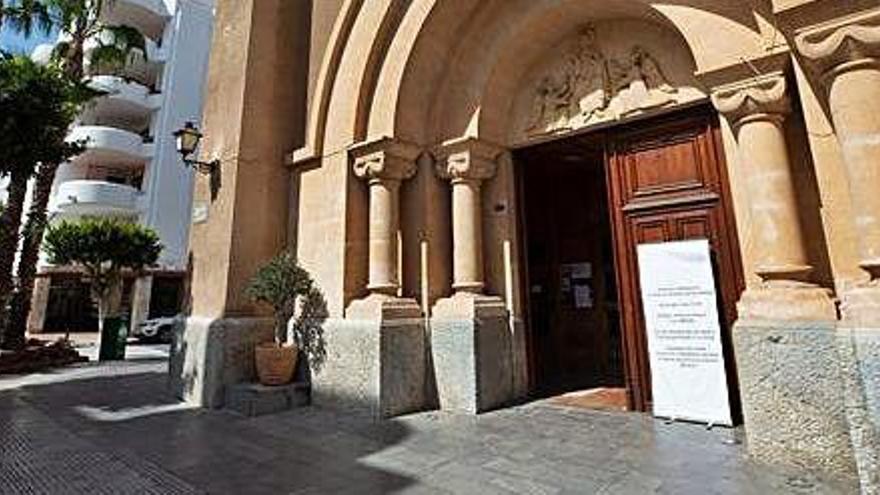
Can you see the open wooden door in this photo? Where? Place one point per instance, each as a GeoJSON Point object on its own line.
{"type": "Point", "coordinates": [667, 181]}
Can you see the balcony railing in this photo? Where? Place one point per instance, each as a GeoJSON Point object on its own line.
{"type": "Point", "coordinates": [147, 16]}
{"type": "Point", "coordinates": [124, 101]}
{"type": "Point", "coordinates": [95, 198]}
{"type": "Point", "coordinates": [110, 145]}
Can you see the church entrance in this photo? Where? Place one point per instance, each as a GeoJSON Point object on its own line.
{"type": "Point", "coordinates": [587, 202]}
{"type": "Point", "coordinates": [574, 313]}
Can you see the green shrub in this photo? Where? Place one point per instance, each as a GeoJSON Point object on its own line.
{"type": "Point", "coordinates": [291, 292]}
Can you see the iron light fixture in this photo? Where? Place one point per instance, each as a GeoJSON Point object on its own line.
{"type": "Point", "coordinates": [188, 139]}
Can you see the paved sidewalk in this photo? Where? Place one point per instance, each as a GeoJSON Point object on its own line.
{"type": "Point", "coordinates": [113, 429]}
{"type": "Point", "coordinates": [87, 345]}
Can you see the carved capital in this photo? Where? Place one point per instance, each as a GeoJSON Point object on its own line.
{"type": "Point", "coordinates": [850, 43]}
{"type": "Point", "coordinates": [467, 159]}
{"type": "Point", "coordinates": [384, 159]}
{"type": "Point", "coordinates": [762, 97]}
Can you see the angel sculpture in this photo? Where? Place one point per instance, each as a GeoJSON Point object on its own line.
{"type": "Point", "coordinates": [650, 71]}
{"type": "Point", "coordinates": [592, 89]}
{"type": "Point", "coordinates": [640, 83]}
{"type": "Point", "coordinates": [576, 88]}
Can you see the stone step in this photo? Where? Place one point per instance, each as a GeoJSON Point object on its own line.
{"type": "Point", "coordinates": [254, 399]}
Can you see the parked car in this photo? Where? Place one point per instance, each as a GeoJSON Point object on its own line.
{"type": "Point", "coordinates": [155, 329]}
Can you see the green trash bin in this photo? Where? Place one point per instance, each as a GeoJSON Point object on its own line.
{"type": "Point", "coordinates": [113, 338]}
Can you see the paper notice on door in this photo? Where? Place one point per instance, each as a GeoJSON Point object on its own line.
{"type": "Point", "coordinates": [688, 377]}
{"type": "Point", "coordinates": [581, 270]}
{"type": "Point", "coordinates": [583, 297]}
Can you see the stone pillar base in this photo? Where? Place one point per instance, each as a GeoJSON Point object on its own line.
{"type": "Point", "coordinates": [787, 303]}
{"type": "Point", "coordinates": [793, 404]}
{"type": "Point", "coordinates": [472, 349]}
{"type": "Point", "coordinates": [375, 358]}
{"type": "Point", "coordinates": [859, 352]}
{"type": "Point", "coordinates": [860, 307]}
{"type": "Point", "coordinates": [208, 354]}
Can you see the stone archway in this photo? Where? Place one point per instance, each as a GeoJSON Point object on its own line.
{"type": "Point", "coordinates": [430, 71]}
{"type": "Point", "coordinates": [460, 80]}
{"type": "Point", "coordinates": [407, 87]}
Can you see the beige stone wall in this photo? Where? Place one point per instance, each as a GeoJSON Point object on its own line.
{"type": "Point", "coordinates": [427, 248]}
{"type": "Point", "coordinates": [323, 20]}
{"type": "Point", "coordinates": [434, 70]}
{"type": "Point", "coordinates": [438, 70]}
{"type": "Point", "coordinates": [256, 89]}
{"type": "Point", "coordinates": [298, 90]}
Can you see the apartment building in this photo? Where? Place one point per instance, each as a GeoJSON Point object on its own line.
{"type": "Point", "coordinates": [131, 168]}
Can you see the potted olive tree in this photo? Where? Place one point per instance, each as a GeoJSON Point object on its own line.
{"type": "Point", "coordinates": [104, 248]}
{"type": "Point", "coordinates": [296, 302]}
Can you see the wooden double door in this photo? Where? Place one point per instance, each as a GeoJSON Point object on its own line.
{"type": "Point", "coordinates": [664, 180]}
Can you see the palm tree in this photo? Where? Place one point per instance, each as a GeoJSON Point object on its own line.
{"type": "Point", "coordinates": [17, 161]}
{"type": "Point", "coordinates": [25, 15]}
{"type": "Point", "coordinates": [78, 22]}
{"type": "Point", "coordinates": [37, 105]}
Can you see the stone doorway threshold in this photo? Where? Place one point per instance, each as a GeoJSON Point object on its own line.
{"type": "Point", "coordinates": [603, 399]}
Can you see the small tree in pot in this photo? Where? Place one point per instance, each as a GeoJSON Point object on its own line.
{"type": "Point", "coordinates": [104, 247]}
{"type": "Point", "coordinates": [288, 289]}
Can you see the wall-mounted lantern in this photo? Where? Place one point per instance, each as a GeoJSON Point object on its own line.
{"type": "Point", "coordinates": [188, 139]}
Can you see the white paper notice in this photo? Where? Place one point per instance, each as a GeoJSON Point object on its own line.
{"type": "Point", "coordinates": [688, 378]}
{"type": "Point", "coordinates": [583, 296]}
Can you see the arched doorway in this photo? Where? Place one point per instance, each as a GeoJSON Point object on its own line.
{"type": "Point", "coordinates": [586, 202]}
{"type": "Point", "coordinates": [434, 74]}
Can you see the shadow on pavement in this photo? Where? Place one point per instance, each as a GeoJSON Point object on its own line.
{"type": "Point", "coordinates": [132, 416]}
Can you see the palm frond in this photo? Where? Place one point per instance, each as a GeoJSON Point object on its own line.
{"type": "Point", "coordinates": [25, 16]}
{"type": "Point", "coordinates": [118, 46]}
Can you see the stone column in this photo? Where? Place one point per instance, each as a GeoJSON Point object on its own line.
{"type": "Point", "coordinates": [784, 338]}
{"type": "Point", "coordinates": [467, 234]}
{"type": "Point", "coordinates": [39, 304]}
{"type": "Point", "coordinates": [140, 300]}
{"type": "Point", "coordinates": [757, 109]}
{"type": "Point", "coordinates": [848, 60]}
{"type": "Point", "coordinates": [846, 55]}
{"type": "Point", "coordinates": [470, 339]}
{"type": "Point", "coordinates": [466, 164]}
{"type": "Point", "coordinates": [252, 117]}
{"type": "Point", "coordinates": [384, 164]}
{"type": "Point", "coordinates": [381, 359]}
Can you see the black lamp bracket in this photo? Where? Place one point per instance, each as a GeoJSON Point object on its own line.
{"type": "Point", "coordinates": [204, 168]}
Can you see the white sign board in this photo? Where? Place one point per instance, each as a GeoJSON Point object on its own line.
{"type": "Point", "coordinates": [688, 379]}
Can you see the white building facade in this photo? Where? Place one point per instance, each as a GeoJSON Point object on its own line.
{"type": "Point", "coordinates": [131, 168]}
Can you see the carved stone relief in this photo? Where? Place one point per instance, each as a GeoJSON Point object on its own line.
{"type": "Point", "coordinates": [588, 85]}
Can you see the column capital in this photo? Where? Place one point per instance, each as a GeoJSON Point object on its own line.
{"type": "Point", "coordinates": [384, 159]}
{"type": "Point", "coordinates": [759, 98]}
{"type": "Point", "coordinates": [467, 159]}
{"type": "Point", "coordinates": [842, 45]}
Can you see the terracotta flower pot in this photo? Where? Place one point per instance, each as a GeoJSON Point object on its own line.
{"type": "Point", "coordinates": [275, 365]}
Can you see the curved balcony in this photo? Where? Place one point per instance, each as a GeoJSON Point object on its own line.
{"type": "Point", "coordinates": [147, 16]}
{"type": "Point", "coordinates": [109, 145]}
{"type": "Point", "coordinates": [95, 198]}
{"type": "Point", "coordinates": [124, 101]}
{"type": "Point", "coordinates": [143, 66]}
